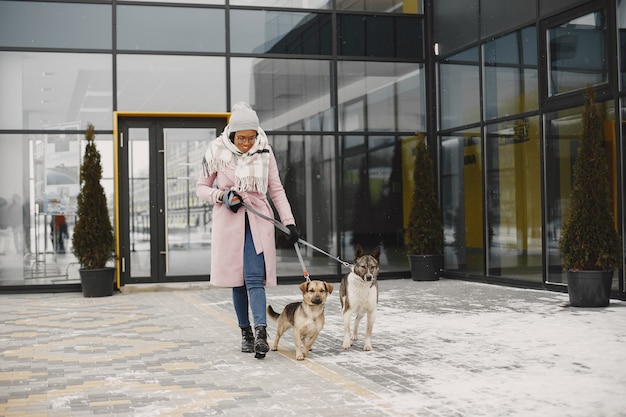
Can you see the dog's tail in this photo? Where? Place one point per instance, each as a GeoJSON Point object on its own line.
{"type": "Point", "coordinates": [272, 314]}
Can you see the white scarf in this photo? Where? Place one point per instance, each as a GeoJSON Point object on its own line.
{"type": "Point", "coordinates": [251, 168]}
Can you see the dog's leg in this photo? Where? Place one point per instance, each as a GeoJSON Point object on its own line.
{"type": "Point", "coordinates": [347, 316]}
{"type": "Point", "coordinates": [279, 333]}
{"type": "Point", "coordinates": [297, 340]}
{"type": "Point", "coordinates": [367, 343]}
{"type": "Point", "coordinates": [357, 320]}
{"type": "Point", "coordinates": [308, 345]}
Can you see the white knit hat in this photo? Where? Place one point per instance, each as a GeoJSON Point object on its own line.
{"type": "Point", "coordinates": [243, 118]}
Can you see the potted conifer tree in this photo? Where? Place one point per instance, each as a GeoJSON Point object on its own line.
{"type": "Point", "coordinates": [589, 246]}
{"type": "Point", "coordinates": [93, 241]}
{"type": "Point", "coordinates": [425, 228]}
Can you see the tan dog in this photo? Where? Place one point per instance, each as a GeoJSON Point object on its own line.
{"type": "Point", "coordinates": [358, 294]}
{"type": "Point", "coordinates": [306, 317]}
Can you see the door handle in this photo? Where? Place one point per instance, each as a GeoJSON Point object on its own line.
{"type": "Point", "coordinates": [164, 209]}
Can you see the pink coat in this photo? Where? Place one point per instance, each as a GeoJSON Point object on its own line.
{"type": "Point", "coordinates": [228, 231]}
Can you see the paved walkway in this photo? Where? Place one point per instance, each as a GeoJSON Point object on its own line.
{"type": "Point", "coordinates": [446, 348]}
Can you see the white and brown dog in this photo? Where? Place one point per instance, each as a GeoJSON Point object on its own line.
{"type": "Point", "coordinates": [306, 317]}
{"type": "Point", "coordinates": [358, 294]}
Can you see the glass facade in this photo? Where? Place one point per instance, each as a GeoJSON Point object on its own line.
{"type": "Point", "coordinates": [333, 85]}
{"type": "Point", "coordinates": [509, 133]}
{"type": "Point", "coordinates": [342, 88]}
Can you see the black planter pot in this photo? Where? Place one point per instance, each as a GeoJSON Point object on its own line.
{"type": "Point", "coordinates": [589, 288]}
{"type": "Point", "coordinates": [425, 267]}
{"type": "Point", "coordinates": [97, 282]}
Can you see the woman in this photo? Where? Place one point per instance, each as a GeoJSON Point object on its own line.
{"type": "Point", "coordinates": [240, 166]}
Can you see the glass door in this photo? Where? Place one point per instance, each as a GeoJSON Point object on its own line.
{"type": "Point", "coordinates": [164, 228]}
{"type": "Point", "coordinates": [188, 220]}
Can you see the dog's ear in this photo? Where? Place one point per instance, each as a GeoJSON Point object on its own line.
{"type": "Point", "coordinates": [304, 287]}
{"type": "Point", "coordinates": [329, 287]}
{"type": "Point", "coordinates": [358, 251]}
{"type": "Point", "coordinates": [376, 253]}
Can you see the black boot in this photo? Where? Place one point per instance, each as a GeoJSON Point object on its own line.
{"type": "Point", "coordinates": [260, 342]}
{"type": "Point", "coordinates": [247, 339]}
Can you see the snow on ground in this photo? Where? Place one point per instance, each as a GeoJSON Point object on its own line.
{"type": "Point", "coordinates": [482, 350]}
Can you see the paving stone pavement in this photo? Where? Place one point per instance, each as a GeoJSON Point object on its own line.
{"type": "Point", "coordinates": [447, 348]}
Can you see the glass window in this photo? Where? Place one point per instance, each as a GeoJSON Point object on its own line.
{"type": "Point", "coordinates": [55, 90]}
{"type": "Point", "coordinates": [262, 31]}
{"type": "Point", "coordinates": [352, 144]}
{"type": "Point", "coordinates": [386, 202]}
{"type": "Point", "coordinates": [562, 141]}
{"type": "Point", "coordinates": [454, 30]}
{"type": "Point", "coordinates": [295, 4]}
{"type": "Point", "coordinates": [459, 90]}
{"type": "Point", "coordinates": [287, 94]}
{"type": "Point", "coordinates": [529, 46]}
{"type": "Point", "coordinates": [307, 170]}
{"type": "Point", "coordinates": [364, 229]}
{"type": "Point", "coordinates": [16, 209]}
{"type": "Point", "coordinates": [499, 16]}
{"type": "Point", "coordinates": [381, 96]}
{"type": "Point", "coordinates": [513, 169]}
{"type": "Point", "coordinates": [372, 199]}
{"type": "Point", "coordinates": [375, 142]}
{"type": "Point", "coordinates": [401, 99]}
{"type": "Point", "coordinates": [170, 29]}
{"type": "Point", "coordinates": [621, 28]}
{"type": "Point", "coordinates": [503, 50]}
{"type": "Point", "coordinates": [380, 36]}
{"type": "Point", "coordinates": [510, 85]}
{"type": "Point", "coordinates": [547, 7]}
{"type": "Point", "coordinates": [462, 201]}
{"type": "Point", "coordinates": [409, 38]}
{"type": "Point", "coordinates": [171, 83]}
{"type": "Point", "coordinates": [28, 25]}
{"type": "Point", "coordinates": [385, 6]}
{"type": "Point", "coordinates": [38, 205]}
{"type": "Point", "coordinates": [353, 199]}
{"type": "Point", "coordinates": [187, 1]}
{"type": "Point", "coordinates": [577, 54]}
{"type": "Point", "coordinates": [321, 224]}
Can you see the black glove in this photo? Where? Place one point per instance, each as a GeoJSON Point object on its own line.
{"type": "Point", "coordinates": [232, 200]}
{"type": "Point", "coordinates": [292, 237]}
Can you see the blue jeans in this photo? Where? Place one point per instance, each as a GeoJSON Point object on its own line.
{"type": "Point", "coordinates": [253, 290]}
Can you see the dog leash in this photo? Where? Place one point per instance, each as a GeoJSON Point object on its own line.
{"type": "Point", "coordinates": [284, 229]}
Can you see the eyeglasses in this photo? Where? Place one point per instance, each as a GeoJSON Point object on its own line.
{"type": "Point", "coordinates": [243, 139]}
